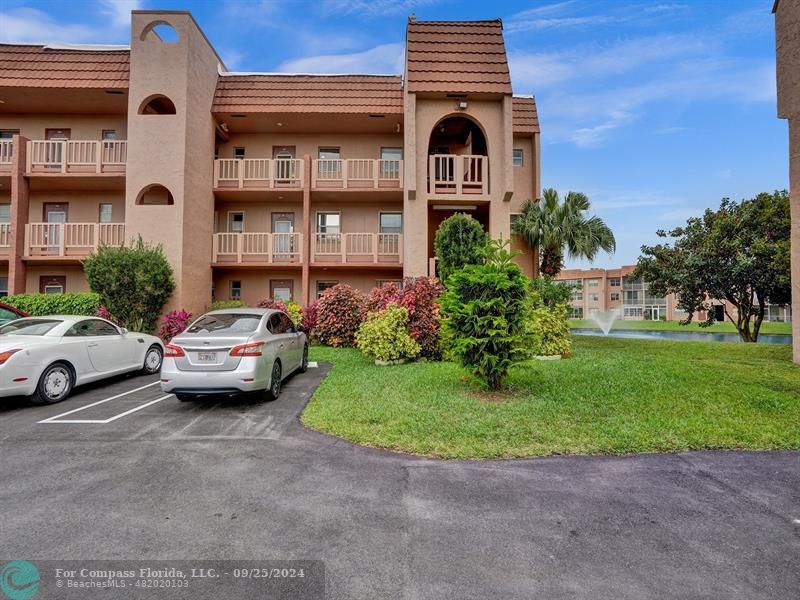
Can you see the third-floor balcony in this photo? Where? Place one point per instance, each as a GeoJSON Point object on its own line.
{"type": "Point", "coordinates": [357, 173]}
{"type": "Point", "coordinates": [258, 173]}
{"type": "Point", "coordinates": [458, 174]}
{"type": "Point", "coordinates": [77, 156]}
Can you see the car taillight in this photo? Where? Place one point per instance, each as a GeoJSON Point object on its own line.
{"type": "Point", "coordinates": [171, 351]}
{"type": "Point", "coordinates": [4, 356]}
{"type": "Point", "coordinates": [251, 349]}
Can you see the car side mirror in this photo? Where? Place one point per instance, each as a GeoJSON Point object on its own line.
{"type": "Point", "coordinates": [300, 328]}
{"type": "Point", "coordinates": [124, 331]}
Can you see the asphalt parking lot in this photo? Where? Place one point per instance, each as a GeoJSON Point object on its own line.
{"type": "Point", "coordinates": [122, 471]}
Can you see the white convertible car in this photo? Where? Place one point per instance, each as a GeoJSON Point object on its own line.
{"type": "Point", "coordinates": [45, 357]}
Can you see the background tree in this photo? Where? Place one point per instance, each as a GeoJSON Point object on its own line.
{"type": "Point", "coordinates": [133, 282]}
{"type": "Point", "coordinates": [553, 227]}
{"type": "Point", "coordinates": [485, 313]}
{"type": "Point", "coordinates": [739, 253]}
{"type": "Point", "coordinates": [459, 241]}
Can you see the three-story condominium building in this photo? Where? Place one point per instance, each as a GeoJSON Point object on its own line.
{"type": "Point", "coordinates": [257, 185]}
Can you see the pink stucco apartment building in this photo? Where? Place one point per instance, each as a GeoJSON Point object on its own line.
{"type": "Point", "coordinates": [257, 185]}
{"type": "Point", "coordinates": [601, 290]}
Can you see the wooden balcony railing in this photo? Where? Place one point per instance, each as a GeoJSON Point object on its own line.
{"type": "Point", "coordinates": [77, 156]}
{"type": "Point", "coordinates": [258, 173]}
{"type": "Point", "coordinates": [462, 174]}
{"type": "Point", "coordinates": [357, 173]}
{"type": "Point", "coordinates": [271, 248]}
{"type": "Point", "coordinates": [70, 239]}
{"type": "Point", "coordinates": [6, 155]}
{"type": "Point", "coordinates": [357, 248]}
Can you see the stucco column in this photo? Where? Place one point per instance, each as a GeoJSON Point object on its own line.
{"type": "Point", "coordinates": [794, 187]}
{"type": "Point", "coordinates": [304, 299]}
{"type": "Point", "coordinates": [20, 206]}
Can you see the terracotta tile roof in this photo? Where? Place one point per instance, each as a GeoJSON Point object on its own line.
{"type": "Point", "coordinates": [45, 67]}
{"type": "Point", "coordinates": [524, 116]}
{"type": "Point", "coordinates": [457, 57]}
{"type": "Point", "coordinates": [309, 93]}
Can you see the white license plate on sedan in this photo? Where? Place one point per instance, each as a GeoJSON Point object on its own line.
{"type": "Point", "coordinates": [207, 357]}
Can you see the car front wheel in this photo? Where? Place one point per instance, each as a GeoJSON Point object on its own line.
{"type": "Point", "coordinates": [54, 385]}
{"type": "Point", "coordinates": [274, 389]}
{"type": "Point", "coordinates": [152, 360]}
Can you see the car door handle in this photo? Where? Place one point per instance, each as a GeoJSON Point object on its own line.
{"type": "Point", "coordinates": [92, 345]}
{"type": "Point", "coordinates": [280, 346]}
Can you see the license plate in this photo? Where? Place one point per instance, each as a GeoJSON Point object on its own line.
{"type": "Point", "coordinates": [207, 357]}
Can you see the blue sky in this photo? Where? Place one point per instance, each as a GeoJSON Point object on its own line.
{"type": "Point", "coordinates": [654, 108]}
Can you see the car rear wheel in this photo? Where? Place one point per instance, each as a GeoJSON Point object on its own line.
{"type": "Point", "coordinates": [304, 363]}
{"type": "Point", "coordinates": [184, 397]}
{"type": "Point", "coordinates": [152, 360]}
{"type": "Point", "coordinates": [274, 389]}
{"type": "Point", "coordinates": [54, 385]}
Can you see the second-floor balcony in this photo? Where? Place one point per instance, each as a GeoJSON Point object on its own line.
{"type": "Point", "coordinates": [258, 248]}
{"type": "Point", "coordinates": [76, 156]}
{"type": "Point", "coordinates": [258, 173]}
{"type": "Point", "coordinates": [357, 173]}
{"type": "Point", "coordinates": [357, 248]}
{"type": "Point", "coordinates": [458, 174]}
{"type": "Point", "coordinates": [5, 240]}
{"type": "Point", "coordinates": [6, 155]}
{"type": "Point", "coordinates": [70, 240]}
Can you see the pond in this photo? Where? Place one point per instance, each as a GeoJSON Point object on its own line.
{"type": "Point", "coordinates": [695, 336]}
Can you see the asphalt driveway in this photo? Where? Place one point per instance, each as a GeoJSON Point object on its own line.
{"type": "Point", "coordinates": [131, 473]}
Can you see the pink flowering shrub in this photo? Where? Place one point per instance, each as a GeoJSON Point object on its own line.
{"type": "Point", "coordinates": [339, 315]}
{"type": "Point", "coordinates": [104, 313]}
{"type": "Point", "coordinates": [309, 317]}
{"type": "Point", "coordinates": [173, 323]}
{"type": "Point", "coordinates": [272, 303]}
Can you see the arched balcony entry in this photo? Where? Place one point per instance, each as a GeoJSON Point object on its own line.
{"type": "Point", "coordinates": [458, 162]}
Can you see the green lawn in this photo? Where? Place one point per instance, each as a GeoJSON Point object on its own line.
{"type": "Point", "coordinates": [726, 327]}
{"type": "Point", "coordinates": [613, 396]}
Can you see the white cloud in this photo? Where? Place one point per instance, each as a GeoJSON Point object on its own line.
{"type": "Point", "coordinates": [670, 130]}
{"type": "Point", "coordinates": [666, 8]}
{"type": "Point", "coordinates": [119, 11]}
{"type": "Point", "coordinates": [371, 8]}
{"type": "Point", "coordinates": [386, 58]}
{"type": "Point", "coordinates": [539, 23]}
{"type": "Point", "coordinates": [29, 25]}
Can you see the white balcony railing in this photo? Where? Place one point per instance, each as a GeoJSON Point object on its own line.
{"type": "Point", "coordinates": [258, 173]}
{"type": "Point", "coordinates": [5, 239]}
{"type": "Point", "coordinates": [77, 156]}
{"type": "Point", "coordinates": [376, 248]}
{"type": "Point", "coordinates": [6, 155]}
{"type": "Point", "coordinates": [71, 239]}
{"type": "Point", "coordinates": [357, 173]}
{"type": "Point", "coordinates": [256, 247]}
{"type": "Point", "coordinates": [452, 174]}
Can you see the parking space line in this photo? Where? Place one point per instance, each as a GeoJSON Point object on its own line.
{"type": "Point", "coordinates": [53, 418]}
{"type": "Point", "coordinates": [110, 419]}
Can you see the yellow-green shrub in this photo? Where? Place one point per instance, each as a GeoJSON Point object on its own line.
{"type": "Point", "coordinates": [384, 335]}
{"type": "Point", "coordinates": [548, 331]}
{"type": "Point", "coordinates": [295, 311]}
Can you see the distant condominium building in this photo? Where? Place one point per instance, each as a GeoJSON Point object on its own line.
{"type": "Point", "coordinates": [256, 184]}
{"type": "Point", "coordinates": [601, 290]}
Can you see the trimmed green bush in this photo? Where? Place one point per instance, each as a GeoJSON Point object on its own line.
{"type": "Point", "coordinates": [38, 305]}
{"type": "Point", "coordinates": [460, 240]}
{"type": "Point", "coordinates": [384, 335]}
{"type": "Point", "coordinates": [221, 304]}
{"type": "Point", "coordinates": [485, 313]}
{"type": "Point", "coordinates": [133, 281]}
{"type": "Point", "coordinates": [548, 331]}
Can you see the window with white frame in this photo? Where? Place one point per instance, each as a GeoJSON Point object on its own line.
{"type": "Point", "coordinates": [235, 290]}
{"type": "Point", "coordinates": [238, 152]}
{"type": "Point", "coordinates": [106, 212]}
{"type": "Point", "coordinates": [391, 222]}
{"type": "Point", "coordinates": [324, 285]}
{"type": "Point", "coordinates": [615, 296]}
{"type": "Point", "coordinates": [576, 312]}
{"type": "Point", "coordinates": [614, 281]}
{"type": "Point", "coordinates": [594, 297]}
{"type": "Point", "coordinates": [235, 222]}
{"type": "Point", "coordinates": [328, 222]}
{"type": "Point", "coordinates": [594, 282]}
{"type": "Point", "coordinates": [109, 134]}
{"type": "Point", "coordinates": [518, 157]}
{"type": "Point", "coordinates": [397, 282]}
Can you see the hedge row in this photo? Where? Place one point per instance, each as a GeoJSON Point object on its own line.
{"type": "Point", "coordinates": [36, 305]}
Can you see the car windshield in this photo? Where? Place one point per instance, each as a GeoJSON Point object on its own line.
{"type": "Point", "coordinates": [29, 327]}
{"type": "Point", "coordinates": [226, 323]}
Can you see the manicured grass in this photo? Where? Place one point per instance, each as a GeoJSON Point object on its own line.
{"type": "Point", "coordinates": [613, 396]}
{"type": "Point", "coordinates": [726, 327]}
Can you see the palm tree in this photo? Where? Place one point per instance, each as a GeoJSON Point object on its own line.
{"type": "Point", "coordinates": [552, 227]}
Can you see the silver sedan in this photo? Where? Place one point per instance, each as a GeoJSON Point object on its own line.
{"type": "Point", "coordinates": [233, 351]}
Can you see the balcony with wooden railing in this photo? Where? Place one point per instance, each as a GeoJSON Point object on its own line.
{"type": "Point", "coordinates": [458, 174]}
{"type": "Point", "coordinates": [77, 156]}
{"type": "Point", "coordinates": [6, 156]}
{"type": "Point", "coordinates": [70, 240]}
{"type": "Point", "coordinates": [357, 248]}
{"type": "Point", "coordinates": [258, 248]}
{"type": "Point", "coordinates": [5, 241]}
{"type": "Point", "coordinates": [357, 173]}
{"type": "Point", "coordinates": [260, 173]}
